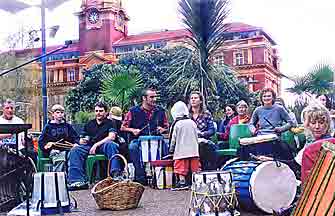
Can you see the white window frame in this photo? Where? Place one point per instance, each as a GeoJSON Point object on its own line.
{"type": "Point", "coordinates": [219, 60]}
{"type": "Point", "coordinates": [238, 58]}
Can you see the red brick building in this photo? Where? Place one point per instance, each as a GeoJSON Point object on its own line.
{"type": "Point", "coordinates": [103, 37]}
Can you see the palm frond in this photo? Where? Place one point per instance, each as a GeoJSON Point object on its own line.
{"type": "Point", "coordinates": [120, 88]}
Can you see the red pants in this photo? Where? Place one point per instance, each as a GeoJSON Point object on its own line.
{"type": "Point", "coordinates": [183, 166]}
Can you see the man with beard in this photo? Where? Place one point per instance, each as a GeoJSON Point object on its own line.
{"type": "Point", "coordinates": [98, 136]}
{"type": "Point", "coordinates": [146, 119]}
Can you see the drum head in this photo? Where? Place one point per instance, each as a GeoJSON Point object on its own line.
{"type": "Point", "coordinates": [273, 187]}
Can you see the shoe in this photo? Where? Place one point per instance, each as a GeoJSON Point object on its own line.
{"type": "Point", "coordinates": [181, 185]}
{"type": "Point", "coordinates": [77, 186]}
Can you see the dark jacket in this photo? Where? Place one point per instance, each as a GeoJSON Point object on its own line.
{"type": "Point", "coordinates": [53, 132]}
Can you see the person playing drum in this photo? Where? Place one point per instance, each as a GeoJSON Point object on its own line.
{"type": "Point", "coordinates": [147, 119]}
{"type": "Point", "coordinates": [183, 144]}
{"type": "Point", "coordinates": [57, 130]}
{"type": "Point", "coordinates": [270, 118]}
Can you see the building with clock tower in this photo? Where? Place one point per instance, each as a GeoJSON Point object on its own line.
{"type": "Point", "coordinates": [101, 23]}
{"type": "Point", "coordinates": [103, 38]}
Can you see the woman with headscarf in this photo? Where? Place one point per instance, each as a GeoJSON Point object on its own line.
{"type": "Point", "coordinates": [183, 144]}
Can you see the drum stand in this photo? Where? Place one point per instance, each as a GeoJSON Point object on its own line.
{"type": "Point", "coordinates": [16, 129]}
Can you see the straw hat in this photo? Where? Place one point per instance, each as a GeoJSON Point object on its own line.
{"type": "Point", "coordinates": [116, 113]}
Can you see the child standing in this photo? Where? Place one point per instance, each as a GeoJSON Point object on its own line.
{"type": "Point", "coordinates": [54, 131]}
{"type": "Point", "coordinates": [183, 144]}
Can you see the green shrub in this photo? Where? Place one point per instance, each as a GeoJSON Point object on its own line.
{"type": "Point", "coordinates": [83, 117]}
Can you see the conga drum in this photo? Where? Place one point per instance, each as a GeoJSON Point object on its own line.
{"type": "Point", "coordinates": [212, 193]}
{"type": "Point", "coordinates": [318, 197]}
{"type": "Point", "coordinates": [151, 148]}
{"type": "Point", "coordinates": [266, 186]}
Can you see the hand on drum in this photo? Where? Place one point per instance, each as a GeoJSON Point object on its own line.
{"type": "Point", "coordinates": [160, 129]}
{"type": "Point", "coordinates": [136, 132]}
{"type": "Point", "coordinates": [48, 145]}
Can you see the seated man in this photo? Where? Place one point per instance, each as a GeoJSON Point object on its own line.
{"type": "Point", "coordinates": [147, 119]}
{"type": "Point", "coordinates": [57, 130]}
{"type": "Point", "coordinates": [99, 137]}
{"type": "Point", "coordinates": [271, 118]}
{"type": "Point", "coordinates": [9, 117]}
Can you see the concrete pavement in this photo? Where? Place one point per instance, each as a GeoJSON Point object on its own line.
{"type": "Point", "coordinates": [153, 203]}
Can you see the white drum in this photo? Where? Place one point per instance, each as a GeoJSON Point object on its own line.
{"type": "Point", "coordinates": [151, 148]}
{"type": "Point", "coordinates": [266, 185]}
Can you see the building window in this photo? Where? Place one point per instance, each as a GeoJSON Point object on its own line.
{"type": "Point", "coordinates": [219, 60]}
{"type": "Point", "coordinates": [238, 58]}
{"type": "Point", "coordinates": [71, 75]}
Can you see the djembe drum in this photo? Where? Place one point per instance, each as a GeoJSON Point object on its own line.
{"type": "Point", "coordinates": [212, 193]}
{"type": "Point", "coordinates": [259, 145]}
{"type": "Point", "coordinates": [318, 197]}
{"type": "Point", "coordinates": [14, 181]}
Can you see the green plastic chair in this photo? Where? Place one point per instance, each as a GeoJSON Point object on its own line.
{"type": "Point", "coordinates": [91, 159]}
{"type": "Point", "coordinates": [237, 131]}
{"type": "Point", "coordinates": [41, 160]}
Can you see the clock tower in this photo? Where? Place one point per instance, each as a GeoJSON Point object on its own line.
{"type": "Point", "coordinates": [101, 23]}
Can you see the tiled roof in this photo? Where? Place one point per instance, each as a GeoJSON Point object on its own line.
{"type": "Point", "coordinates": [241, 27]}
{"type": "Point", "coordinates": [152, 36]}
{"type": "Point", "coordinates": [176, 34]}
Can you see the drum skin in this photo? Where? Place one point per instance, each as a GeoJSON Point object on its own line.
{"type": "Point", "coordinates": [266, 186]}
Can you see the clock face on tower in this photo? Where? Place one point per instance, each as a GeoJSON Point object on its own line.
{"type": "Point", "coordinates": [93, 16]}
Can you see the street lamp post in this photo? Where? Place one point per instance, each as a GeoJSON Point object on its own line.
{"type": "Point", "coordinates": [44, 67]}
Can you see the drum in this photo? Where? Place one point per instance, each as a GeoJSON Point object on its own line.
{"type": "Point", "coordinates": [318, 197]}
{"type": "Point", "coordinates": [151, 148]}
{"type": "Point", "coordinates": [263, 185]}
{"type": "Point", "coordinates": [163, 174]}
{"type": "Point", "coordinates": [15, 177]}
{"type": "Point", "coordinates": [212, 193]}
{"type": "Point", "coordinates": [259, 145]}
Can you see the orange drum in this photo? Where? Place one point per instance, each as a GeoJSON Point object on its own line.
{"type": "Point", "coordinates": [318, 198]}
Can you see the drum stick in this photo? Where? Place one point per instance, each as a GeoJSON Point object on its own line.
{"type": "Point", "coordinates": [269, 122]}
{"type": "Point", "coordinates": [144, 127]}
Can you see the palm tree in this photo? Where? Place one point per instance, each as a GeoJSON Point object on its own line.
{"type": "Point", "coordinates": [317, 81]}
{"type": "Point", "coordinates": [205, 22]}
{"type": "Point", "coordinates": [121, 85]}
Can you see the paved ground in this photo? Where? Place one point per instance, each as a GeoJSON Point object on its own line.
{"type": "Point", "coordinates": [153, 203]}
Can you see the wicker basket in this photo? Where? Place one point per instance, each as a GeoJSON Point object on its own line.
{"type": "Point", "coordinates": [117, 195]}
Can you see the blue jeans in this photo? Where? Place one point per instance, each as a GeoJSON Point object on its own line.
{"type": "Point", "coordinates": [135, 153]}
{"type": "Point", "coordinates": [77, 158]}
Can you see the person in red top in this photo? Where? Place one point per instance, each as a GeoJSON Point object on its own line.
{"type": "Point", "coordinates": [317, 123]}
{"type": "Point", "coordinates": [241, 118]}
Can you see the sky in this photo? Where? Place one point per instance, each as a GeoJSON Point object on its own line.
{"type": "Point", "coordinates": [303, 29]}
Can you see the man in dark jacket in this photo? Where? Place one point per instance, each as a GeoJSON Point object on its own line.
{"type": "Point", "coordinates": [147, 119]}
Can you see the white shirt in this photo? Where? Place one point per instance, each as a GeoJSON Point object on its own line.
{"type": "Point", "coordinates": [12, 140]}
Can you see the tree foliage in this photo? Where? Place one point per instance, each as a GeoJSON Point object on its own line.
{"type": "Point", "coordinates": [154, 67]}
{"type": "Point", "coordinates": [204, 19]}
